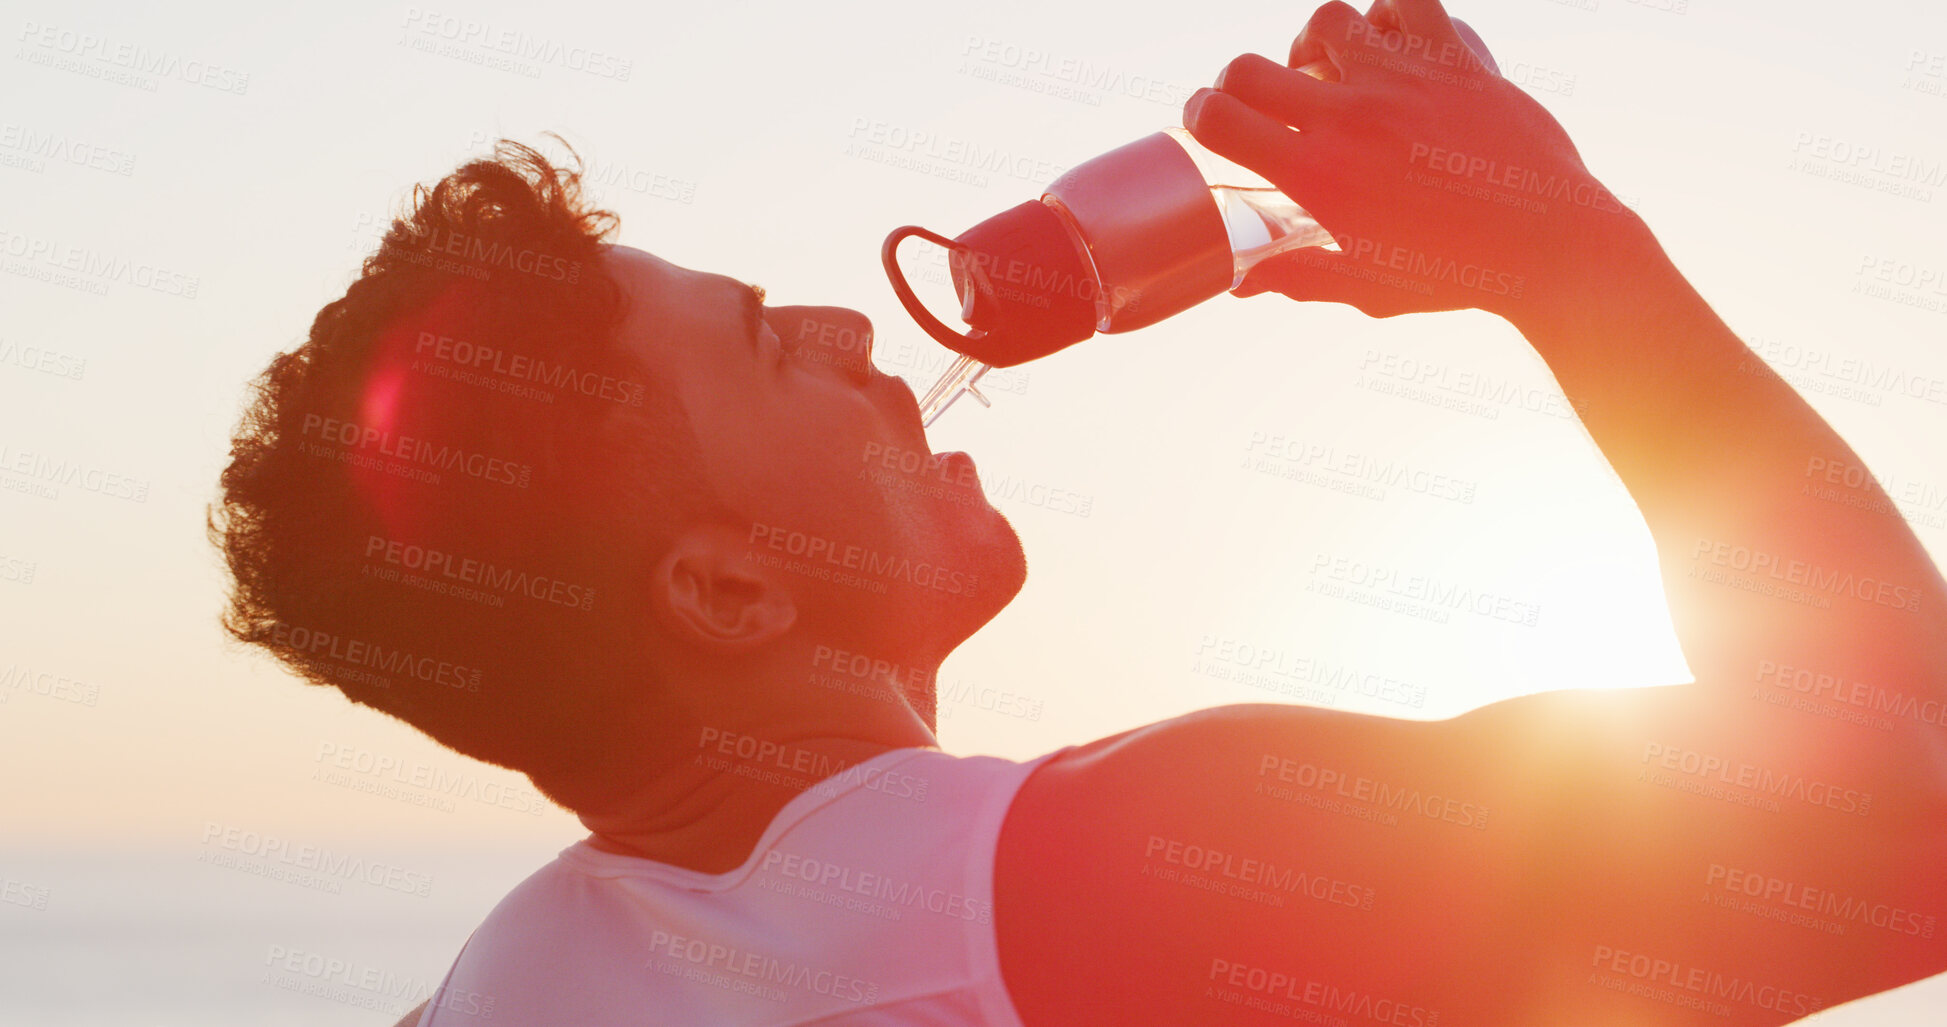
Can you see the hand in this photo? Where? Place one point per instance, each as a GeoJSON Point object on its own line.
{"type": "Point", "coordinates": [1444, 185]}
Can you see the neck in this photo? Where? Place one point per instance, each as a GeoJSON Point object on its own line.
{"type": "Point", "coordinates": [742, 742]}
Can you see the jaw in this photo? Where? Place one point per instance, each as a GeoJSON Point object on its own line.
{"type": "Point", "coordinates": [924, 698]}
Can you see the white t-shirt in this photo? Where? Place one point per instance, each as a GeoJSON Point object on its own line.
{"type": "Point", "coordinates": [868, 901]}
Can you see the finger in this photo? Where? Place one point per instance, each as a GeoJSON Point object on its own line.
{"type": "Point", "coordinates": [1384, 16]}
{"type": "Point", "coordinates": [1327, 33]}
{"type": "Point", "coordinates": [1422, 28]}
{"type": "Point", "coordinates": [1294, 97]}
{"type": "Point", "coordinates": [1416, 17]}
{"type": "Point", "coordinates": [1467, 35]}
{"type": "Point", "coordinates": [1231, 128]}
{"type": "Point", "coordinates": [1322, 275]}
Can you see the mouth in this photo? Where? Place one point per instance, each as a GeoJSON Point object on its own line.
{"type": "Point", "coordinates": [908, 404]}
{"type": "Point", "coordinates": [911, 401]}
{"type": "Point", "coordinates": [950, 466]}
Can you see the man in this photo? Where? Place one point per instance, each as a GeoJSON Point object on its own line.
{"type": "Point", "coordinates": [687, 562]}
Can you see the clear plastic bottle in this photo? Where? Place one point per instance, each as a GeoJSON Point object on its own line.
{"type": "Point", "coordinates": [1260, 220]}
{"type": "Point", "coordinates": [1119, 242]}
{"type": "Point", "coordinates": [1133, 236]}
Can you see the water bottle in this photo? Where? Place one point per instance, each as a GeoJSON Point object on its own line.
{"type": "Point", "coordinates": [1119, 242]}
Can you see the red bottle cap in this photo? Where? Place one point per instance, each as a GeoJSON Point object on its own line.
{"type": "Point", "coordinates": [1025, 286]}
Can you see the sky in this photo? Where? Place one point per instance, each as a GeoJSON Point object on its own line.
{"type": "Point", "coordinates": [240, 159]}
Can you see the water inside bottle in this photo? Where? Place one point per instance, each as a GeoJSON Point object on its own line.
{"type": "Point", "coordinates": [1262, 221]}
{"type": "Point", "coordinates": [1259, 219]}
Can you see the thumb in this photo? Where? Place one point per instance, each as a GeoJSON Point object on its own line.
{"type": "Point", "coordinates": [1324, 275]}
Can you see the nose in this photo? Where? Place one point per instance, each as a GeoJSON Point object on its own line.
{"type": "Point", "coordinates": [835, 335]}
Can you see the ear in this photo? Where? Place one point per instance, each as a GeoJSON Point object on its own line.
{"type": "Point", "coordinates": [709, 595]}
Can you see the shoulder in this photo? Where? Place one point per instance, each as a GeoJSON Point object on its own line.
{"type": "Point", "coordinates": [542, 933]}
{"type": "Point", "coordinates": [1142, 877]}
{"type": "Point", "coordinates": [1084, 934]}
{"type": "Point", "coordinates": [541, 904]}
{"type": "Point", "coordinates": [1157, 754]}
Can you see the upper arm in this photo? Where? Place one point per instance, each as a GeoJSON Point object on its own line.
{"type": "Point", "coordinates": [1574, 857]}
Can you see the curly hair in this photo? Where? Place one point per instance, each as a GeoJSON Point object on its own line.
{"type": "Point", "coordinates": [440, 502]}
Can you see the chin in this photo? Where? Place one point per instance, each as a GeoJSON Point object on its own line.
{"type": "Point", "coordinates": [994, 553]}
{"type": "Point", "coordinates": [924, 700]}
{"type": "Point", "coordinates": [974, 566]}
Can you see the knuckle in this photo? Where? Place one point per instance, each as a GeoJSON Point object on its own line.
{"type": "Point", "coordinates": [1217, 124]}
{"type": "Point", "coordinates": [1249, 75]}
{"type": "Point", "coordinates": [1328, 26]}
{"type": "Point", "coordinates": [1337, 12]}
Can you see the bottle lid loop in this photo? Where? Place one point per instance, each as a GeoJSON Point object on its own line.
{"type": "Point", "coordinates": [933, 326]}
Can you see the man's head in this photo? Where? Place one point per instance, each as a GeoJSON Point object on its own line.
{"type": "Point", "coordinates": [555, 501]}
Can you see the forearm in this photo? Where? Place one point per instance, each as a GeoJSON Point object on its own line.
{"type": "Point", "coordinates": [1776, 544]}
{"type": "Point", "coordinates": [1726, 463]}
{"type": "Point", "coordinates": [1621, 806]}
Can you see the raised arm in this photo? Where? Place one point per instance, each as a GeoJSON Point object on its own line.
{"type": "Point", "coordinates": [1778, 547]}
{"type": "Point", "coordinates": [1747, 849]}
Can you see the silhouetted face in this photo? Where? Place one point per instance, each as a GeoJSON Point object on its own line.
{"type": "Point", "coordinates": [886, 547]}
